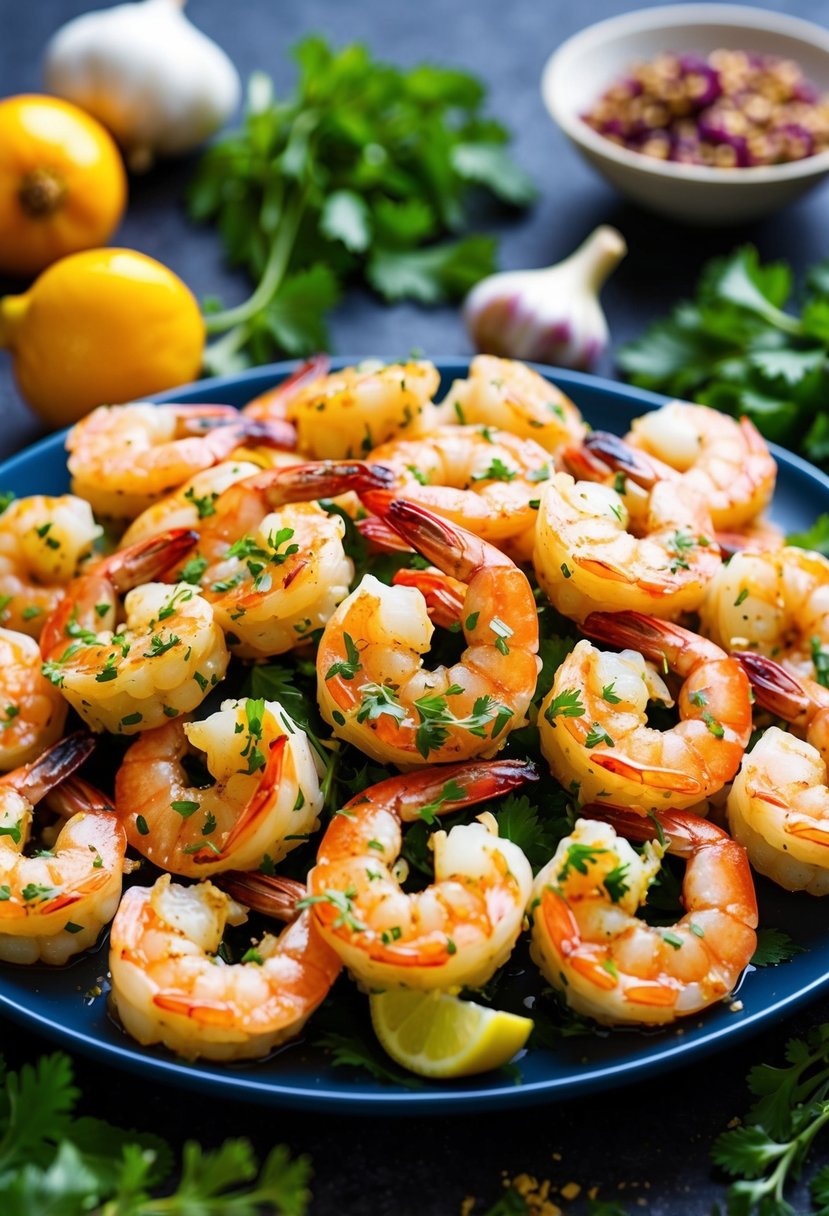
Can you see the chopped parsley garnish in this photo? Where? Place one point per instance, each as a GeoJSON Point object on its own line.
{"type": "Point", "coordinates": [343, 901]}
{"type": "Point", "coordinates": [820, 658]}
{"type": "Point", "coordinates": [451, 792]}
{"type": "Point", "coordinates": [496, 471]}
{"type": "Point", "coordinates": [254, 712]}
{"type": "Point", "coordinates": [378, 699]}
{"type": "Point", "coordinates": [579, 857]}
{"type": "Point", "coordinates": [348, 667]}
{"type": "Point", "coordinates": [185, 807]}
{"type": "Point", "coordinates": [205, 504]}
{"type": "Point", "coordinates": [596, 735]}
{"type": "Point", "coordinates": [436, 719]}
{"type": "Point", "coordinates": [192, 570]}
{"type": "Point", "coordinates": [158, 646]}
{"type": "Point", "coordinates": [567, 704]}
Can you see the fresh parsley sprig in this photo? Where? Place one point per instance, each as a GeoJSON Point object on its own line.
{"type": "Point", "coordinates": [52, 1160]}
{"type": "Point", "coordinates": [358, 174]}
{"type": "Point", "coordinates": [737, 348]}
{"type": "Point", "coordinates": [770, 1147]}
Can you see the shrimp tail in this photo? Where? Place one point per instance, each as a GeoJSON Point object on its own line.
{"type": "Point", "coordinates": [452, 549]}
{"type": "Point", "coordinates": [149, 559]}
{"type": "Point", "coordinates": [655, 639]}
{"type": "Point", "coordinates": [621, 457]}
{"type": "Point", "coordinates": [257, 808]}
{"type": "Point", "coordinates": [272, 405]}
{"type": "Point", "coordinates": [448, 788]}
{"type": "Point", "coordinates": [74, 795]}
{"type": "Point", "coordinates": [224, 428]}
{"type": "Point", "coordinates": [775, 689]}
{"type": "Point", "coordinates": [443, 594]}
{"type": "Point", "coordinates": [269, 894]}
{"type": "Point", "coordinates": [273, 433]}
{"type": "Point", "coordinates": [378, 533]}
{"type": "Point", "coordinates": [53, 767]}
{"type": "Point", "coordinates": [318, 479]}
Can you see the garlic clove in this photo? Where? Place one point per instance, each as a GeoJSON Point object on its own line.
{"type": "Point", "coordinates": [551, 315]}
{"type": "Point", "coordinates": [143, 69]}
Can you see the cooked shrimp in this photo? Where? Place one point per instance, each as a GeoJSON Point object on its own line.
{"type": "Point", "coordinates": [264, 799]}
{"type": "Point", "coordinates": [272, 405]}
{"type": "Point", "coordinates": [510, 395]}
{"type": "Point", "coordinates": [43, 542]}
{"type": "Point", "coordinates": [32, 711]}
{"type": "Point", "coordinates": [616, 968]}
{"type": "Point", "coordinates": [191, 503]}
{"type": "Point", "coordinates": [778, 807]}
{"type": "Point", "coordinates": [593, 722]}
{"type": "Point", "coordinates": [725, 459]}
{"type": "Point", "coordinates": [124, 457]}
{"type": "Point", "coordinates": [371, 683]}
{"type": "Point", "coordinates": [160, 661]}
{"type": "Point", "coordinates": [759, 536]}
{"type": "Point", "coordinates": [482, 478]}
{"type": "Point", "coordinates": [347, 413]}
{"type": "Point", "coordinates": [587, 556]}
{"type": "Point", "coordinates": [170, 985]}
{"type": "Point", "coordinates": [776, 603]}
{"type": "Point", "coordinates": [55, 903]}
{"type": "Point", "coordinates": [461, 928]}
{"type": "Point", "coordinates": [273, 565]}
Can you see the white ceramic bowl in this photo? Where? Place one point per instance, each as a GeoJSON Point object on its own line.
{"type": "Point", "coordinates": [582, 68]}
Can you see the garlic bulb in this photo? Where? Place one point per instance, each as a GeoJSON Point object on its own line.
{"type": "Point", "coordinates": [552, 315]}
{"type": "Point", "coordinates": [147, 73]}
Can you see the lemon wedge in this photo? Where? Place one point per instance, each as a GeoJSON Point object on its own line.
{"type": "Point", "coordinates": [435, 1035]}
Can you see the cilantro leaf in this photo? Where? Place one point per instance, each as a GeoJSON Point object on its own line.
{"type": "Point", "coordinates": [353, 1050]}
{"type": "Point", "coordinates": [525, 825]}
{"type": "Point", "coordinates": [35, 1108]}
{"type": "Point", "coordinates": [357, 174]}
{"type": "Point", "coordinates": [736, 347]}
{"type": "Point", "coordinates": [774, 946]}
{"type": "Point", "coordinates": [432, 275]}
{"type": "Point", "coordinates": [55, 1164]}
{"type": "Point", "coordinates": [816, 537]}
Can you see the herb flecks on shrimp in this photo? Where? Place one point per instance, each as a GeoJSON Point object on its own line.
{"type": "Point", "coordinates": [393, 708]}
{"type": "Point", "coordinates": [462, 927]}
{"type": "Point", "coordinates": [263, 797]}
{"type": "Point", "coordinates": [161, 660]}
{"type": "Point", "coordinates": [613, 966]}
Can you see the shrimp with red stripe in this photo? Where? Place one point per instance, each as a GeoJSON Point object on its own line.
{"type": "Point", "coordinates": [607, 962]}
{"type": "Point", "coordinates": [259, 799]}
{"type": "Point", "coordinates": [55, 902]}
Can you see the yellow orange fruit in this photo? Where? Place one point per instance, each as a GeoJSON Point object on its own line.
{"type": "Point", "coordinates": [63, 186]}
{"type": "Point", "coordinates": [100, 328]}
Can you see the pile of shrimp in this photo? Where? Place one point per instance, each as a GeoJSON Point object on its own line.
{"type": "Point", "coordinates": [302, 628]}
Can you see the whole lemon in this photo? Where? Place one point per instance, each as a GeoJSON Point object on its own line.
{"type": "Point", "coordinates": [62, 182]}
{"type": "Point", "coordinates": [101, 327]}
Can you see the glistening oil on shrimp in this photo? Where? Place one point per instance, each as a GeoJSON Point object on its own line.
{"type": "Point", "coordinates": [379, 765]}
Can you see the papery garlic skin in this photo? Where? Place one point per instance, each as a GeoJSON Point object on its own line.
{"type": "Point", "coordinates": [547, 316]}
{"type": "Point", "coordinates": [160, 85]}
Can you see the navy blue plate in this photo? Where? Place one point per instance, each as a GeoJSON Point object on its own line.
{"type": "Point", "coordinates": [56, 1001]}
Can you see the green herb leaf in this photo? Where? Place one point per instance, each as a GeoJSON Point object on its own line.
{"type": "Point", "coordinates": [774, 946]}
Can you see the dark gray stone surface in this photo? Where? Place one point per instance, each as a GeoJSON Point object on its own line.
{"type": "Point", "coordinates": [653, 1139]}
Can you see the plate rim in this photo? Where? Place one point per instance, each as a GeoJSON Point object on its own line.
{"type": "Point", "coordinates": [352, 1097]}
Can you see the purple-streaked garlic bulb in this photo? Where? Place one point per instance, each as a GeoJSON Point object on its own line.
{"type": "Point", "coordinates": [549, 316]}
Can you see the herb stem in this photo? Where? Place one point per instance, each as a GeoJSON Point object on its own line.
{"type": "Point", "coordinates": [272, 275]}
